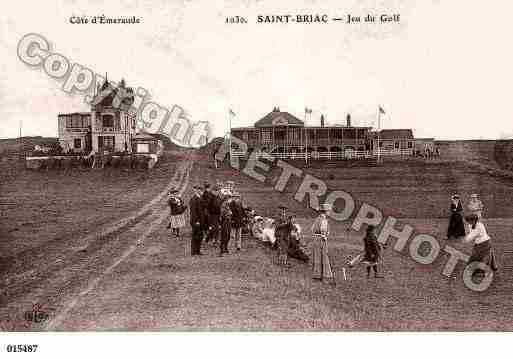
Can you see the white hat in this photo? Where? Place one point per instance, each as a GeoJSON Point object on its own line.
{"type": "Point", "coordinates": [325, 207]}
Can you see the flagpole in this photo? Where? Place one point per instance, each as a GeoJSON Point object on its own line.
{"type": "Point", "coordinates": [21, 141]}
{"type": "Point", "coordinates": [305, 140]}
{"type": "Point", "coordinates": [230, 133]}
{"type": "Point", "coordinates": [379, 129]}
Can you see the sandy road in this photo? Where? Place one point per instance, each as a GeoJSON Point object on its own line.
{"type": "Point", "coordinates": [61, 279]}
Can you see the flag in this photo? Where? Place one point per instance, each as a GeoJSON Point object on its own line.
{"type": "Point", "coordinates": [381, 110]}
{"type": "Point", "coordinates": [308, 110]}
{"type": "Point", "coordinates": [232, 113]}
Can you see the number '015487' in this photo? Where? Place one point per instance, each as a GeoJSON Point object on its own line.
{"type": "Point", "coordinates": [21, 348]}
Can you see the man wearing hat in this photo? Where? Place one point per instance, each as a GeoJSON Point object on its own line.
{"type": "Point", "coordinates": [197, 220]}
{"type": "Point", "coordinates": [214, 212]}
{"type": "Point", "coordinates": [207, 198]}
{"type": "Point", "coordinates": [238, 216]}
{"type": "Point", "coordinates": [226, 225]}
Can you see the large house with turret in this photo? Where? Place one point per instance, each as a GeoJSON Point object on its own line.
{"type": "Point", "coordinates": [109, 127]}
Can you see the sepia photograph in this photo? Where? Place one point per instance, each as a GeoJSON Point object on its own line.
{"type": "Point", "coordinates": [321, 171]}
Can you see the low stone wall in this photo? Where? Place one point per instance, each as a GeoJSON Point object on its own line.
{"type": "Point", "coordinates": [136, 161]}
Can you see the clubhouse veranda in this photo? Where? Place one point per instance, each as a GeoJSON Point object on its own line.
{"type": "Point", "coordinates": [283, 135]}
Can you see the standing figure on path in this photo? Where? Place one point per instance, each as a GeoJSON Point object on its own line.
{"type": "Point", "coordinates": [196, 220]}
{"type": "Point", "coordinates": [226, 226]}
{"type": "Point", "coordinates": [320, 260]}
{"type": "Point", "coordinates": [214, 213]}
{"type": "Point", "coordinates": [456, 227]}
{"type": "Point", "coordinates": [372, 251]}
{"type": "Point", "coordinates": [475, 206]}
{"type": "Point", "coordinates": [482, 250]}
{"type": "Point", "coordinates": [282, 232]}
{"type": "Point", "coordinates": [238, 216]}
{"type": "Point", "coordinates": [207, 198]}
{"type": "Point", "coordinates": [177, 210]}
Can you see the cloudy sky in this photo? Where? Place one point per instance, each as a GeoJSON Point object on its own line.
{"type": "Point", "coordinates": [444, 70]}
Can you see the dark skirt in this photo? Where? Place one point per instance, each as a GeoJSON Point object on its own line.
{"type": "Point", "coordinates": [483, 252]}
{"type": "Point", "coordinates": [456, 226]}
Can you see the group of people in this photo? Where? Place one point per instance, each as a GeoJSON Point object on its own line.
{"type": "Point", "coordinates": [475, 234]}
{"type": "Point", "coordinates": [218, 214]}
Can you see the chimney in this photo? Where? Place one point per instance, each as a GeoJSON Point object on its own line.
{"type": "Point", "coordinates": [348, 120]}
{"type": "Point", "coordinates": [322, 120]}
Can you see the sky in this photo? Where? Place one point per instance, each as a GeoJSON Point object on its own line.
{"type": "Point", "coordinates": [445, 70]}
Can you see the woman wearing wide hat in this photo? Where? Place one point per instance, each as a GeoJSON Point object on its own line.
{"type": "Point", "coordinates": [456, 226]}
{"type": "Point", "coordinates": [320, 260]}
{"type": "Point", "coordinates": [177, 210]}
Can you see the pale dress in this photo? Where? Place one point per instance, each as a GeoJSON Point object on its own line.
{"type": "Point", "coordinates": [320, 260]}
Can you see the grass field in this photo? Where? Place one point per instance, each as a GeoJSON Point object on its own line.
{"type": "Point", "coordinates": [141, 279]}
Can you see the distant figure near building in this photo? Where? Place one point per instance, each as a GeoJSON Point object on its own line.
{"type": "Point", "coordinates": [320, 260]}
{"type": "Point", "coordinates": [456, 226]}
{"type": "Point", "coordinates": [196, 220]}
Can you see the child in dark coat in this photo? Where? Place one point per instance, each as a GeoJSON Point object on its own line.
{"type": "Point", "coordinates": [372, 251]}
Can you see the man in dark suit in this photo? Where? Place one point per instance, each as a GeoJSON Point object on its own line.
{"type": "Point", "coordinates": [197, 220]}
{"type": "Point", "coordinates": [207, 199]}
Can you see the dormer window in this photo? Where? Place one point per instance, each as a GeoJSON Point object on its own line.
{"type": "Point", "coordinates": [107, 121]}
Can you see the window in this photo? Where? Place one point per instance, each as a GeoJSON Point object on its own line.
{"type": "Point", "coordinates": [396, 144]}
{"type": "Point", "coordinates": [143, 147]}
{"type": "Point", "coordinates": [108, 121]}
{"type": "Point", "coordinates": [78, 121]}
{"type": "Point", "coordinates": [380, 144]}
{"type": "Point", "coordinates": [350, 133]}
{"type": "Point", "coordinates": [311, 134]}
{"type": "Point", "coordinates": [266, 136]}
{"type": "Point", "coordinates": [253, 135]}
{"type": "Point", "coordinates": [294, 134]}
{"type": "Point", "coordinates": [106, 143]}
{"type": "Point", "coordinates": [77, 143]}
{"type": "Point", "coordinates": [279, 134]}
{"type": "Point", "coordinates": [337, 134]}
{"type": "Point", "coordinates": [410, 144]}
{"type": "Point", "coordinates": [322, 134]}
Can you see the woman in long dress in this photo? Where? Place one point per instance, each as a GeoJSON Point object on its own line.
{"type": "Point", "coordinates": [456, 226]}
{"type": "Point", "coordinates": [177, 210]}
{"type": "Point", "coordinates": [320, 260]}
{"type": "Point", "coordinates": [482, 250]}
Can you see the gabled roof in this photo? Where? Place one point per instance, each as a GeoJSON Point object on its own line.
{"type": "Point", "coordinates": [278, 118]}
{"type": "Point", "coordinates": [106, 94]}
{"type": "Point", "coordinates": [390, 134]}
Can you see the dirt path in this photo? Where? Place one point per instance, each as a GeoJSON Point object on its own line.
{"type": "Point", "coordinates": [56, 280]}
